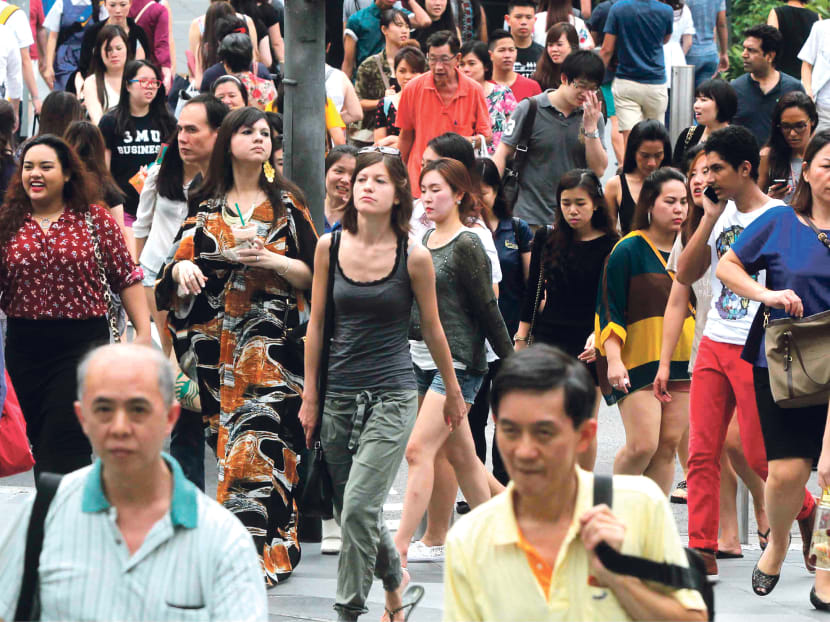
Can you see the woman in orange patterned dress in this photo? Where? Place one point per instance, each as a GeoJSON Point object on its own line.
{"type": "Point", "coordinates": [230, 306]}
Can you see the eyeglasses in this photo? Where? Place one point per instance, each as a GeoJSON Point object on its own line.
{"type": "Point", "coordinates": [146, 83]}
{"type": "Point", "coordinates": [390, 151]}
{"type": "Point", "coordinates": [794, 127]}
{"type": "Point", "coordinates": [584, 86]}
{"type": "Point", "coordinates": [440, 60]}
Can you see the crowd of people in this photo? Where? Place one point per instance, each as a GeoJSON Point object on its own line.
{"type": "Point", "coordinates": [473, 264]}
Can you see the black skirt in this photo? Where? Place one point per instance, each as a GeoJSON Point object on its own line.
{"type": "Point", "coordinates": [788, 432]}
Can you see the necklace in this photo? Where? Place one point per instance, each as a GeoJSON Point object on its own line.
{"type": "Point", "coordinates": [46, 221]}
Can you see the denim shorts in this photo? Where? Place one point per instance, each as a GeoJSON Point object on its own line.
{"type": "Point", "coordinates": [150, 276]}
{"type": "Point", "coordinates": [430, 379]}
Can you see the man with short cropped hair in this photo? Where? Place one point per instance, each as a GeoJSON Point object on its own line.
{"type": "Point", "coordinates": [503, 57]}
{"type": "Point", "coordinates": [567, 133]}
{"type": "Point", "coordinates": [521, 18]}
{"type": "Point", "coordinates": [129, 537]}
{"type": "Point", "coordinates": [760, 88]}
{"type": "Point", "coordinates": [438, 101]}
{"type": "Point", "coordinates": [722, 382]}
{"type": "Point", "coordinates": [528, 553]}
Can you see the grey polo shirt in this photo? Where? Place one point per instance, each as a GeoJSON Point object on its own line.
{"type": "Point", "coordinates": [198, 562]}
{"type": "Point", "coordinates": [555, 148]}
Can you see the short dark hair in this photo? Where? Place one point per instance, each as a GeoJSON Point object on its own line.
{"type": "Point", "coordinates": [497, 35]}
{"type": "Point", "coordinates": [647, 129]}
{"type": "Point", "coordinates": [454, 146]}
{"type": "Point", "coordinates": [237, 52]}
{"type": "Point", "coordinates": [413, 56]}
{"type": "Point", "coordinates": [215, 110]}
{"type": "Point", "coordinates": [442, 38]}
{"type": "Point", "coordinates": [543, 368]}
{"type": "Point", "coordinates": [514, 3]}
{"type": "Point", "coordinates": [479, 48]}
{"type": "Point", "coordinates": [229, 77]}
{"type": "Point", "coordinates": [390, 16]}
{"type": "Point", "coordinates": [771, 39]}
{"type": "Point", "coordinates": [337, 153]}
{"type": "Point", "coordinates": [651, 190]}
{"type": "Point", "coordinates": [583, 64]}
{"type": "Point", "coordinates": [724, 96]}
{"type": "Point", "coordinates": [735, 144]}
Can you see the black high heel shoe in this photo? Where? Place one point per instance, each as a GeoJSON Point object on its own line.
{"type": "Point", "coordinates": [817, 602]}
{"type": "Point", "coordinates": [763, 583]}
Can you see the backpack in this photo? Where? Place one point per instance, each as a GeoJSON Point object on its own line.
{"type": "Point", "coordinates": [7, 12]}
{"type": "Point", "coordinates": [679, 577]}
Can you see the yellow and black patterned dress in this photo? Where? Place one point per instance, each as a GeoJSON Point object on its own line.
{"type": "Point", "coordinates": [231, 337]}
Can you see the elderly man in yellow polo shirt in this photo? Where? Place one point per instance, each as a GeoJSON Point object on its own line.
{"type": "Point", "coordinates": [527, 554]}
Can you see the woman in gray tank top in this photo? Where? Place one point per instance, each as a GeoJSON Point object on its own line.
{"type": "Point", "coordinates": [371, 399]}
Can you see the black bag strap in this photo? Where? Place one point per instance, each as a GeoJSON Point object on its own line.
{"type": "Point", "coordinates": [660, 572]}
{"type": "Point", "coordinates": [822, 237]}
{"type": "Point", "coordinates": [328, 324]}
{"type": "Point", "coordinates": [520, 157]}
{"type": "Point", "coordinates": [47, 486]}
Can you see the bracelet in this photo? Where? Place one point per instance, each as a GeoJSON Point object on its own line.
{"type": "Point", "coordinates": [517, 338]}
{"type": "Point", "coordinates": [287, 263]}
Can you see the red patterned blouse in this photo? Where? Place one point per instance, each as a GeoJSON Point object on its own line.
{"type": "Point", "coordinates": [54, 275]}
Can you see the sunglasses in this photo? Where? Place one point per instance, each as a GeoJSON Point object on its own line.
{"type": "Point", "coordinates": [390, 151]}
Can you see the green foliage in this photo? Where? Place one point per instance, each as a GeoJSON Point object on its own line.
{"type": "Point", "coordinates": [746, 13]}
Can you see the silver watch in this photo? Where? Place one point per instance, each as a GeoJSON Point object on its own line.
{"type": "Point", "coordinates": [594, 134]}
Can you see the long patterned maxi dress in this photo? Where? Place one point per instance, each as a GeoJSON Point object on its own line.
{"type": "Point", "coordinates": [231, 337]}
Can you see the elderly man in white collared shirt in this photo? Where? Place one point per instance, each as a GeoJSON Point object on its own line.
{"type": "Point", "coordinates": [129, 538]}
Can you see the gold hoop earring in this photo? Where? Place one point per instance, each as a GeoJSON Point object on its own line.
{"type": "Point", "coordinates": [269, 171]}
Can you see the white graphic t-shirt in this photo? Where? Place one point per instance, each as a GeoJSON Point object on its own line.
{"type": "Point", "coordinates": [730, 315]}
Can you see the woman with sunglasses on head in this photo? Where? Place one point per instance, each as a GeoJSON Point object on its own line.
{"type": "Point", "coordinates": [102, 88]}
{"type": "Point", "coordinates": [135, 129]}
{"type": "Point", "coordinates": [566, 262]}
{"type": "Point", "coordinates": [733, 462]}
{"type": "Point", "coordinates": [793, 122]}
{"type": "Point", "coordinates": [632, 297]}
{"type": "Point", "coordinates": [379, 273]}
{"type": "Point", "coordinates": [470, 316]}
{"type": "Point", "coordinates": [237, 283]}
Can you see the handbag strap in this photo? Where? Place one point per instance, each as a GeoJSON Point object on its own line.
{"type": "Point", "coordinates": [47, 486]}
{"type": "Point", "coordinates": [328, 324]}
{"type": "Point", "coordinates": [383, 75]}
{"type": "Point", "coordinates": [822, 237]}
{"type": "Point", "coordinates": [539, 285]}
{"type": "Point", "coordinates": [520, 158]}
{"type": "Point", "coordinates": [112, 312]}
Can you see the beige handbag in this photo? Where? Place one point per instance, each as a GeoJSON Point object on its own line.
{"type": "Point", "coordinates": [797, 351]}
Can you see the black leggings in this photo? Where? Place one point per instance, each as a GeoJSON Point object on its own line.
{"type": "Point", "coordinates": [42, 358]}
{"type": "Point", "coordinates": [478, 415]}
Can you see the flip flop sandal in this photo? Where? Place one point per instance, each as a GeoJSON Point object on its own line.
{"type": "Point", "coordinates": [763, 538]}
{"type": "Point", "coordinates": [411, 597]}
{"type": "Point", "coordinates": [679, 498]}
{"type": "Point", "coordinates": [728, 555]}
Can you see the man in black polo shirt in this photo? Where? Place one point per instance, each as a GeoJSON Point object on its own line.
{"type": "Point", "coordinates": [760, 88]}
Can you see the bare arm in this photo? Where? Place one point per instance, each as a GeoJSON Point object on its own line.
{"type": "Point", "coordinates": [612, 201]}
{"type": "Point", "coordinates": [772, 18]}
{"type": "Point", "coordinates": [29, 77]}
{"type": "Point", "coordinates": [673, 318]}
{"type": "Point", "coordinates": [503, 153]}
{"type": "Point", "coordinates": [609, 44]}
{"type": "Point", "coordinates": [643, 603]}
{"type": "Point", "coordinates": [194, 38]}
{"type": "Point", "coordinates": [419, 18]}
{"type": "Point", "coordinates": [722, 31]}
{"type": "Point", "coordinates": [349, 55]}
{"type": "Point", "coordinates": [585, 9]}
{"type": "Point", "coordinates": [135, 304]}
{"type": "Point", "coordinates": [277, 42]}
{"type": "Point", "coordinates": [696, 256]}
{"type": "Point", "coordinates": [482, 26]}
{"type": "Point", "coordinates": [763, 170]}
{"type": "Point", "coordinates": [93, 105]}
{"type": "Point", "coordinates": [733, 274]}
{"type": "Point", "coordinates": [686, 43]}
{"type": "Point", "coordinates": [405, 140]}
{"type": "Point", "coordinates": [49, 70]}
{"type": "Point", "coordinates": [171, 41]}
{"type": "Point", "coordinates": [337, 135]}
{"type": "Point", "coordinates": [807, 77]}
{"type": "Point", "coordinates": [352, 110]}
{"type": "Point", "coordinates": [379, 134]}
{"type": "Point", "coordinates": [108, 158]}
{"type": "Point", "coordinates": [254, 37]}
{"type": "Point", "coordinates": [264, 48]}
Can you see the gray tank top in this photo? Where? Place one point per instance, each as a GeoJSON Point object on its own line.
{"type": "Point", "coordinates": [370, 347]}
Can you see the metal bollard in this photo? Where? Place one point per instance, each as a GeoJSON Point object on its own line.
{"type": "Point", "coordinates": [682, 97]}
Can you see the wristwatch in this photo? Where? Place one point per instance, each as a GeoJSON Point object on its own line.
{"type": "Point", "coordinates": [594, 134]}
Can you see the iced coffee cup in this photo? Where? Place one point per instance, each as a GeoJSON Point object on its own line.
{"type": "Point", "coordinates": [243, 237]}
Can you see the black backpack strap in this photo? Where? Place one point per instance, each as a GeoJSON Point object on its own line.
{"type": "Point", "coordinates": [603, 490]}
{"type": "Point", "coordinates": [520, 157]}
{"type": "Point", "coordinates": [47, 486]}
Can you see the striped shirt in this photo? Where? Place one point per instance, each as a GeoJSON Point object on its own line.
{"type": "Point", "coordinates": [198, 562]}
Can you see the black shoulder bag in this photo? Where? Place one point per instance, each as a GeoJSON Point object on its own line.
{"type": "Point", "coordinates": [28, 606]}
{"type": "Point", "coordinates": [678, 577]}
{"type": "Point", "coordinates": [316, 489]}
{"type": "Point", "coordinates": [512, 173]}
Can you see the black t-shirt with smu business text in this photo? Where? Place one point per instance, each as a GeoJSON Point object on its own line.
{"type": "Point", "coordinates": [526, 59]}
{"type": "Point", "coordinates": [131, 150]}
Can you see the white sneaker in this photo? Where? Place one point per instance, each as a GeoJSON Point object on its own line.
{"type": "Point", "coordinates": [420, 552]}
{"type": "Point", "coordinates": [331, 542]}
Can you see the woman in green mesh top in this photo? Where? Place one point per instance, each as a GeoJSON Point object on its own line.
{"type": "Point", "coordinates": [469, 313]}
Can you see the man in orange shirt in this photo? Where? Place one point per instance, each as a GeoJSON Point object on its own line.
{"type": "Point", "coordinates": [441, 100]}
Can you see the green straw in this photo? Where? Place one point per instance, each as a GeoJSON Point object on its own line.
{"type": "Point", "coordinates": [239, 211]}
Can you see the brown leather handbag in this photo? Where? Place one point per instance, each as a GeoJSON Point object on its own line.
{"type": "Point", "coordinates": [797, 351]}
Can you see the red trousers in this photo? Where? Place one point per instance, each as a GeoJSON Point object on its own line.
{"type": "Point", "coordinates": [721, 385]}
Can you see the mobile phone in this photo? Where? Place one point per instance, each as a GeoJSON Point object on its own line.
{"type": "Point", "coordinates": [710, 194]}
{"type": "Point", "coordinates": [780, 182]}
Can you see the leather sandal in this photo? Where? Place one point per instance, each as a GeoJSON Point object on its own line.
{"type": "Point", "coordinates": [763, 583]}
{"type": "Point", "coordinates": [411, 597]}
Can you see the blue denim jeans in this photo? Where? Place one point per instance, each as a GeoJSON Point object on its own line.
{"type": "Point", "coordinates": [705, 66]}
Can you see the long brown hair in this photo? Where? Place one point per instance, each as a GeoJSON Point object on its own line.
{"type": "Point", "coordinates": [458, 178]}
{"type": "Point", "coordinates": [219, 177]}
{"type": "Point", "coordinates": [652, 187]}
{"type": "Point", "coordinates": [102, 43]}
{"type": "Point", "coordinates": [558, 11]}
{"type": "Point", "coordinates": [401, 209]}
{"type": "Point", "coordinates": [548, 74]}
{"type": "Point", "coordinates": [802, 201]}
{"type": "Point", "coordinates": [77, 193]}
{"type": "Point", "coordinates": [86, 139]}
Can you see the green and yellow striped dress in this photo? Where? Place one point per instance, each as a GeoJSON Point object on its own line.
{"type": "Point", "coordinates": [631, 301]}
